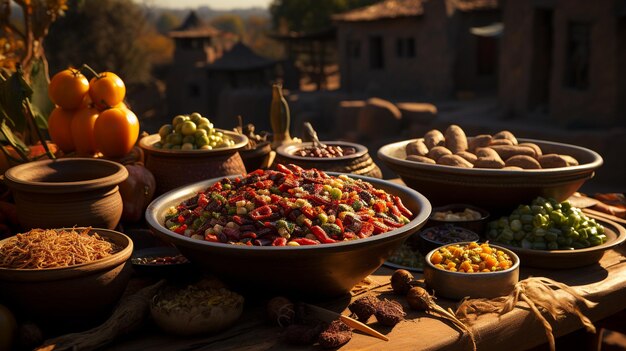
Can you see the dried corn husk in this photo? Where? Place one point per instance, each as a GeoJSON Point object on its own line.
{"type": "Point", "coordinates": [541, 294]}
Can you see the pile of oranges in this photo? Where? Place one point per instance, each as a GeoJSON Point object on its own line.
{"type": "Point", "coordinates": [90, 116]}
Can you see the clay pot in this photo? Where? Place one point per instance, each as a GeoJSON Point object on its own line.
{"type": "Point", "coordinates": [175, 168]}
{"type": "Point", "coordinates": [71, 294]}
{"type": "Point", "coordinates": [67, 192]}
{"type": "Point", "coordinates": [256, 158]}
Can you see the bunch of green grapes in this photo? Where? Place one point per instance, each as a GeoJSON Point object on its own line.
{"type": "Point", "coordinates": [191, 132]}
{"type": "Point", "coordinates": [547, 225]}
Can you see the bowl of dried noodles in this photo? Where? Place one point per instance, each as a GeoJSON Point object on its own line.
{"type": "Point", "coordinates": [64, 275]}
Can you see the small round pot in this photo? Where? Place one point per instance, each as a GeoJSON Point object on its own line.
{"type": "Point", "coordinates": [457, 285]}
{"type": "Point", "coordinates": [360, 162]}
{"type": "Point", "coordinates": [256, 158]}
{"type": "Point", "coordinates": [67, 192]}
{"type": "Point", "coordinates": [175, 168]}
{"type": "Point", "coordinates": [72, 294]}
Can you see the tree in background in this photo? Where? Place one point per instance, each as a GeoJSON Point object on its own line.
{"type": "Point", "coordinates": [309, 15]}
{"type": "Point", "coordinates": [103, 34]}
{"type": "Point", "coordinates": [167, 21]}
{"type": "Point", "coordinates": [256, 37]}
{"type": "Point", "coordinates": [229, 23]}
{"type": "Point", "coordinates": [23, 26]}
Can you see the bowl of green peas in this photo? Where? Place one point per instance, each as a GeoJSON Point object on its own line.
{"type": "Point", "coordinates": [550, 234]}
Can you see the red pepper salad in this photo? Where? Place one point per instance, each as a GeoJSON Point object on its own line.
{"type": "Point", "coordinates": [289, 206]}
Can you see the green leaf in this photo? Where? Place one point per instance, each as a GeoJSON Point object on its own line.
{"type": "Point", "coordinates": [6, 134]}
{"type": "Point", "coordinates": [13, 91]}
{"type": "Point", "coordinates": [39, 84]}
{"type": "Point", "coordinates": [40, 119]}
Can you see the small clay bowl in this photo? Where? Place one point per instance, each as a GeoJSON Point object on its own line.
{"type": "Point", "coordinates": [180, 268]}
{"type": "Point", "coordinates": [359, 162]}
{"type": "Point", "coordinates": [476, 225]}
{"type": "Point", "coordinates": [67, 192]}
{"type": "Point", "coordinates": [457, 285]}
{"type": "Point", "coordinates": [175, 168]}
{"type": "Point", "coordinates": [434, 237]}
{"type": "Point", "coordinates": [71, 294]}
{"type": "Point", "coordinates": [255, 158]}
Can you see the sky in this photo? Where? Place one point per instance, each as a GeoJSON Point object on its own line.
{"type": "Point", "coordinates": [214, 4]}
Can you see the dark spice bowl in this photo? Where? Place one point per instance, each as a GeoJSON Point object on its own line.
{"type": "Point", "coordinates": [359, 162]}
{"type": "Point", "coordinates": [476, 225]}
{"type": "Point", "coordinates": [161, 261]}
{"type": "Point", "coordinates": [434, 237]}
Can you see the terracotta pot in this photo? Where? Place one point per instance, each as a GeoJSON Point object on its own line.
{"type": "Point", "coordinates": [175, 168]}
{"type": "Point", "coordinates": [86, 291]}
{"type": "Point", "coordinates": [67, 192]}
{"type": "Point", "coordinates": [256, 158]}
{"type": "Point", "coordinates": [359, 162]}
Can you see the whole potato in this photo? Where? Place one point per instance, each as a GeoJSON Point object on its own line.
{"type": "Point", "coordinates": [455, 139]}
{"type": "Point", "coordinates": [468, 156]}
{"type": "Point", "coordinates": [417, 147]}
{"type": "Point", "coordinates": [438, 151]}
{"type": "Point", "coordinates": [505, 134]}
{"type": "Point", "coordinates": [478, 141]}
{"type": "Point", "coordinates": [454, 160]}
{"type": "Point", "coordinates": [422, 159]}
{"type": "Point", "coordinates": [433, 138]}
{"type": "Point", "coordinates": [522, 161]}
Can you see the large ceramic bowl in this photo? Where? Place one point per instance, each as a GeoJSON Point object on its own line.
{"type": "Point", "coordinates": [312, 270]}
{"type": "Point", "coordinates": [457, 285]}
{"type": "Point", "coordinates": [175, 168]}
{"type": "Point", "coordinates": [493, 189]}
{"type": "Point", "coordinates": [360, 162]}
{"type": "Point", "coordinates": [74, 293]}
{"type": "Point", "coordinates": [67, 192]}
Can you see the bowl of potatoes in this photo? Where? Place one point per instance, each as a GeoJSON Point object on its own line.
{"type": "Point", "coordinates": [496, 172]}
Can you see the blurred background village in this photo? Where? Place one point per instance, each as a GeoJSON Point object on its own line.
{"type": "Point", "coordinates": [368, 71]}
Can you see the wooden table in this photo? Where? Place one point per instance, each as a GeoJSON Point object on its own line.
{"type": "Point", "coordinates": [604, 283]}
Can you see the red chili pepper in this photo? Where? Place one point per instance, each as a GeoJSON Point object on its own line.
{"type": "Point", "coordinates": [393, 209]}
{"type": "Point", "coordinates": [318, 199]}
{"type": "Point", "coordinates": [308, 212]}
{"type": "Point", "coordinates": [308, 223]}
{"type": "Point", "coordinates": [305, 241]}
{"type": "Point", "coordinates": [283, 169]}
{"type": "Point", "coordinates": [321, 235]}
{"type": "Point", "coordinates": [237, 219]}
{"type": "Point", "coordinates": [379, 227]}
{"type": "Point", "coordinates": [401, 207]}
{"type": "Point", "coordinates": [379, 207]}
{"type": "Point", "coordinates": [181, 229]}
{"type": "Point", "coordinates": [202, 200]}
{"type": "Point", "coordinates": [280, 241]}
{"type": "Point", "coordinates": [261, 213]}
{"type": "Point", "coordinates": [391, 223]}
{"type": "Point", "coordinates": [275, 199]}
{"type": "Point", "coordinates": [349, 235]}
{"type": "Point", "coordinates": [251, 235]}
{"type": "Point", "coordinates": [367, 229]}
{"type": "Point", "coordinates": [234, 199]}
{"type": "Point", "coordinates": [180, 219]}
{"type": "Point", "coordinates": [259, 202]}
{"type": "Point", "coordinates": [296, 169]}
{"type": "Point", "coordinates": [211, 237]}
{"type": "Point", "coordinates": [339, 223]}
{"type": "Point", "coordinates": [258, 172]}
{"type": "Point", "coordinates": [198, 211]}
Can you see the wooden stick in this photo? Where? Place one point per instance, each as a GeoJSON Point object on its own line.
{"type": "Point", "coordinates": [351, 322]}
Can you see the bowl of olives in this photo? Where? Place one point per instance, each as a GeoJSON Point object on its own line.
{"type": "Point", "coordinates": [190, 149]}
